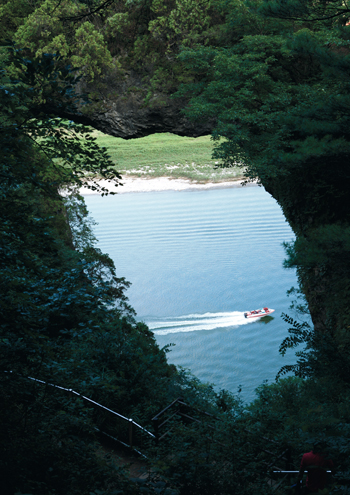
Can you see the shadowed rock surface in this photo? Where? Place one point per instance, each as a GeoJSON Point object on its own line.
{"type": "Point", "coordinates": [127, 117]}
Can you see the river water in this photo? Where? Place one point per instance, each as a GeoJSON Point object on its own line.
{"type": "Point", "coordinates": [197, 260]}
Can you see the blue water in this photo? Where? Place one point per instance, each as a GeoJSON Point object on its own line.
{"type": "Point", "coordinates": [197, 260]}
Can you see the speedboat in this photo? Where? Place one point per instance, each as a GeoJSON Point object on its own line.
{"type": "Point", "coordinates": [258, 313]}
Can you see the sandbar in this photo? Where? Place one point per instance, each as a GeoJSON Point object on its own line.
{"type": "Point", "coordinates": [136, 184]}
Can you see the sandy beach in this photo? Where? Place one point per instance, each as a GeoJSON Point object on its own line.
{"type": "Point", "coordinates": [135, 184]}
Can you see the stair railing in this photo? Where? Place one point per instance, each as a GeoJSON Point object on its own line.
{"type": "Point", "coordinates": [132, 425]}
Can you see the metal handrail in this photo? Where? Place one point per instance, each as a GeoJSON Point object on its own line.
{"type": "Point", "coordinates": [70, 390]}
{"type": "Point", "coordinates": [295, 472]}
{"type": "Point", "coordinates": [130, 421]}
{"type": "Point", "coordinates": [156, 417]}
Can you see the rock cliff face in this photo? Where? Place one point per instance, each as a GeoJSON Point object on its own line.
{"type": "Point", "coordinates": [127, 117]}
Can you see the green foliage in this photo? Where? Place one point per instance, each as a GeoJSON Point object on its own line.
{"type": "Point", "coordinates": [301, 413]}
{"type": "Point", "coordinates": [275, 114]}
{"type": "Point", "coordinates": [108, 40]}
{"type": "Point", "coordinates": [333, 12]}
{"type": "Point", "coordinates": [29, 105]}
{"type": "Point", "coordinates": [82, 45]}
{"type": "Point", "coordinates": [183, 23]}
{"type": "Point", "coordinates": [64, 313]}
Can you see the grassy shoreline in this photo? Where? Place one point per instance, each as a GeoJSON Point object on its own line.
{"type": "Point", "coordinates": [167, 155]}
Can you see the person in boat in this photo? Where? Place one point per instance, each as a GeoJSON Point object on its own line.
{"type": "Point", "coordinates": [316, 463]}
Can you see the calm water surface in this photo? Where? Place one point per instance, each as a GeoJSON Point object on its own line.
{"type": "Point", "coordinates": [197, 260]}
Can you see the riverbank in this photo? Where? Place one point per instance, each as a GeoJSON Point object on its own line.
{"type": "Point", "coordinates": [167, 155]}
{"type": "Point", "coordinates": [136, 184]}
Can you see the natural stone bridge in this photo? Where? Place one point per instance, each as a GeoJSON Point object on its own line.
{"type": "Point", "coordinates": [127, 117]}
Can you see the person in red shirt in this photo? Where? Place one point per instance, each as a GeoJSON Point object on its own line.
{"type": "Point", "coordinates": [316, 464]}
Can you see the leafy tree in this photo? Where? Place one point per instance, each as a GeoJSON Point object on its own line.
{"type": "Point", "coordinates": [115, 43]}
{"type": "Point", "coordinates": [64, 314]}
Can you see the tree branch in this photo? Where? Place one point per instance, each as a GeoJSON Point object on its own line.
{"type": "Point", "coordinates": [81, 16]}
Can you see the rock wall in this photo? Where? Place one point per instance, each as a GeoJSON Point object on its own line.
{"type": "Point", "coordinates": [128, 117]}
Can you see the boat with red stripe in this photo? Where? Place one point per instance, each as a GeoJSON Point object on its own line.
{"type": "Point", "coordinates": [258, 313]}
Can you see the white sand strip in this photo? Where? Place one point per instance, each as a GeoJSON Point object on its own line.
{"type": "Point", "coordinates": [132, 185]}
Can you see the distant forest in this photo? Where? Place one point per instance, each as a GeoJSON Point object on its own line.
{"type": "Point", "coordinates": [272, 79]}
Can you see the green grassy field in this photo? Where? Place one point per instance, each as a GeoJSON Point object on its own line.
{"type": "Point", "coordinates": [166, 155]}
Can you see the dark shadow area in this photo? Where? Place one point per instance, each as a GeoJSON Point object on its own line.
{"type": "Point", "coordinates": [267, 319]}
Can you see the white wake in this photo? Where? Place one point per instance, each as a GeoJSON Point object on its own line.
{"type": "Point", "coordinates": [195, 322]}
